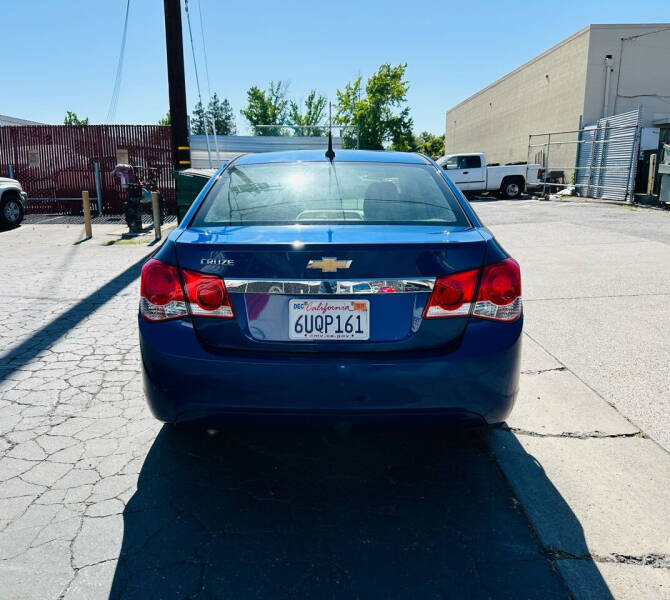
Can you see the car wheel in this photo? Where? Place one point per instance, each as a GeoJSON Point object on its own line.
{"type": "Point", "coordinates": [11, 211]}
{"type": "Point", "coordinates": [510, 189]}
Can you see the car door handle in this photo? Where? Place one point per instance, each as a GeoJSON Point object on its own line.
{"type": "Point", "coordinates": [465, 172]}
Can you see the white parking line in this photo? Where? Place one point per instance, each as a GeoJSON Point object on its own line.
{"type": "Point", "coordinates": [47, 220]}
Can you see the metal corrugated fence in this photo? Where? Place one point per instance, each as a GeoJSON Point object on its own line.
{"type": "Point", "coordinates": [54, 163]}
{"type": "Point", "coordinates": [606, 158]}
{"type": "Point", "coordinates": [599, 160]}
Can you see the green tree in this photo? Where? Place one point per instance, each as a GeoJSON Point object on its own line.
{"type": "Point", "coordinates": [377, 114]}
{"type": "Point", "coordinates": [198, 119]}
{"type": "Point", "coordinates": [429, 144]}
{"type": "Point", "coordinates": [72, 119]}
{"type": "Point", "coordinates": [166, 120]}
{"type": "Point", "coordinates": [400, 131]}
{"type": "Point", "coordinates": [266, 107]}
{"type": "Point", "coordinates": [350, 111]}
{"type": "Point", "coordinates": [221, 114]}
{"type": "Point", "coordinates": [307, 123]}
{"type": "Point", "coordinates": [218, 114]}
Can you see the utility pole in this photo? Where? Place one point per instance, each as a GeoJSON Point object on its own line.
{"type": "Point", "coordinates": [181, 154]}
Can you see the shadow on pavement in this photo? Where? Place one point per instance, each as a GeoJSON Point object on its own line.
{"type": "Point", "coordinates": [46, 336]}
{"type": "Point", "coordinates": [51, 219]}
{"type": "Point", "coordinates": [267, 514]}
{"type": "Point", "coordinates": [555, 523]}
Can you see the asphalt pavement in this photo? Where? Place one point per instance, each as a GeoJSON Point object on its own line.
{"type": "Point", "coordinates": [99, 500]}
{"type": "Point", "coordinates": [596, 287]}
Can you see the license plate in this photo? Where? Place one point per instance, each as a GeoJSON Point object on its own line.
{"type": "Point", "coordinates": [329, 319]}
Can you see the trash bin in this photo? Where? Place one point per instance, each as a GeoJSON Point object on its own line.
{"type": "Point", "coordinates": [188, 184]}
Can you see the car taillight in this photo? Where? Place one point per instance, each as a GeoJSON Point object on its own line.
{"type": "Point", "coordinates": [540, 173]}
{"type": "Point", "coordinates": [499, 296]}
{"type": "Point", "coordinates": [452, 295]}
{"type": "Point", "coordinates": [161, 294]}
{"type": "Point", "coordinates": [207, 295]}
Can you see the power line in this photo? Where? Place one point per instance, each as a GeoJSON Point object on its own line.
{"type": "Point", "coordinates": [111, 111]}
{"type": "Point", "coordinates": [209, 89]}
{"type": "Point", "coordinates": [621, 48]}
{"type": "Point", "coordinates": [197, 79]}
{"type": "Point", "coordinates": [634, 37]}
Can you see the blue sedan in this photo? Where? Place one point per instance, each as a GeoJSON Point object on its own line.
{"type": "Point", "coordinates": [360, 286]}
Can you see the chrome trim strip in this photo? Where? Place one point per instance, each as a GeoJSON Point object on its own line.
{"type": "Point", "coordinates": [329, 287]}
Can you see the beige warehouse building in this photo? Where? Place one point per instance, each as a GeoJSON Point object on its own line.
{"type": "Point", "coordinates": [599, 71]}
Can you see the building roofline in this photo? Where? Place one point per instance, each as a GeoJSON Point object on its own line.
{"type": "Point", "coordinates": [632, 25]}
{"type": "Point", "coordinates": [555, 47]}
{"type": "Point", "coordinates": [18, 121]}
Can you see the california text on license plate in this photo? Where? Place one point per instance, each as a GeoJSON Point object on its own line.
{"type": "Point", "coordinates": [329, 319]}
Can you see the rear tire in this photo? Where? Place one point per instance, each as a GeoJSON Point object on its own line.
{"type": "Point", "coordinates": [11, 211]}
{"type": "Point", "coordinates": [511, 187]}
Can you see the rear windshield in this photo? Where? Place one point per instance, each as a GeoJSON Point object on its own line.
{"type": "Point", "coordinates": [321, 192]}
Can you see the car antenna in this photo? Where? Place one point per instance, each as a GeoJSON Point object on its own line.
{"type": "Point", "coordinates": [330, 153]}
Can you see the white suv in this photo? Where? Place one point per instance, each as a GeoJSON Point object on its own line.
{"type": "Point", "coordinates": [12, 202]}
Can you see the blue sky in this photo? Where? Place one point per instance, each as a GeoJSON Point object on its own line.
{"type": "Point", "coordinates": [62, 55]}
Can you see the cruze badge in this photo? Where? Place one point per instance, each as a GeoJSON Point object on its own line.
{"type": "Point", "coordinates": [329, 264]}
{"type": "Point", "coordinates": [221, 262]}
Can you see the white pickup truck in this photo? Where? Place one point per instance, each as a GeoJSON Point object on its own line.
{"type": "Point", "coordinates": [471, 175]}
{"type": "Point", "coordinates": [12, 202]}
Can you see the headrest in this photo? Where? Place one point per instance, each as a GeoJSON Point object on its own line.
{"type": "Point", "coordinates": [380, 198]}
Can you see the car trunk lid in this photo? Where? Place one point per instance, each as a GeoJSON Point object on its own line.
{"type": "Point", "coordinates": [386, 271]}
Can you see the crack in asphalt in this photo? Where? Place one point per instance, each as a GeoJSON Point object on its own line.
{"type": "Point", "coordinates": [540, 371]}
{"type": "Point", "coordinates": [658, 561]}
{"type": "Point", "coordinates": [573, 434]}
{"type": "Point", "coordinates": [70, 436]}
{"type": "Point", "coordinates": [74, 434]}
{"type": "Point", "coordinates": [640, 432]}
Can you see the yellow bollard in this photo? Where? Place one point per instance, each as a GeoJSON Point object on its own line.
{"type": "Point", "coordinates": [87, 215]}
{"type": "Point", "coordinates": [652, 174]}
{"type": "Point", "coordinates": [157, 215]}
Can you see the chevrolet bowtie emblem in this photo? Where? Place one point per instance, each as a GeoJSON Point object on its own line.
{"type": "Point", "coordinates": [329, 265]}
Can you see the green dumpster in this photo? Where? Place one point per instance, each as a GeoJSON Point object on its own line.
{"type": "Point", "coordinates": [188, 184]}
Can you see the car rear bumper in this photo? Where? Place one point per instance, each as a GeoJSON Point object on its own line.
{"type": "Point", "coordinates": [185, 382]}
